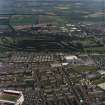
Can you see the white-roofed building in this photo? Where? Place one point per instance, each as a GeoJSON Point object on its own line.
{"type": "Point", "coordinates": [102, 86]}
{"type": "Point", "coordinates": [71, 57]}
{"type": "Point", "coordinates": [102, 72]}
{"type": "Point", "coordinates": [65, 64]}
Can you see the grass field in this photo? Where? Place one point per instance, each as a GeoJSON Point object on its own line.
{"type": "Point", "coordinates": [83, 68]}
{"type": "Point", "coordinates": [95, 50]}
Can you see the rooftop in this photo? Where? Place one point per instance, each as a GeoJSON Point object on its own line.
{"type": "Point", "coordinates": [71, 57]}
{"type": "Point", "coordinates": [102, 86]}
{"type": "Point", "coordinates": [102, 72]}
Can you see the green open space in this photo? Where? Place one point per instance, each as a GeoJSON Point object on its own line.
{"type": "Point", "coordinates": [23, 20]}
{"type": "Point", "coordinates": [84, 68]}
{"type": "Point", "coordinates": [8, 97]}
{"type": "Point", "coordinates": [95, 50]}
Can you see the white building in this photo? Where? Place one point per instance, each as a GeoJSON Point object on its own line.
{"type": "Point", "coordinates": [102, 86]}
{"type": "Point", "coordinates": [102, 72]}
{"type": "Point", "coordinates": [71, 57]}
{"type": "Point", "coordinates": [10, 97]}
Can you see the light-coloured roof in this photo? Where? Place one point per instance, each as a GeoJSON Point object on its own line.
{"type": "Point", "coordinates": [65, 64]}
{"type": "Point", "coordinates": [102, 86]}
{"type": "Point", "coordinates": [70, 57]}
{"type": "Point", "coordinates": [74, 28]}
{"type": "Point", "coordinates": [12, 91]}
{"type": "Point", "coordinates": [101, 72]}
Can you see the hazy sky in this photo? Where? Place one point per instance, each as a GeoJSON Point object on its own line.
{"type": "Point", "coordinates": [11, 6]}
